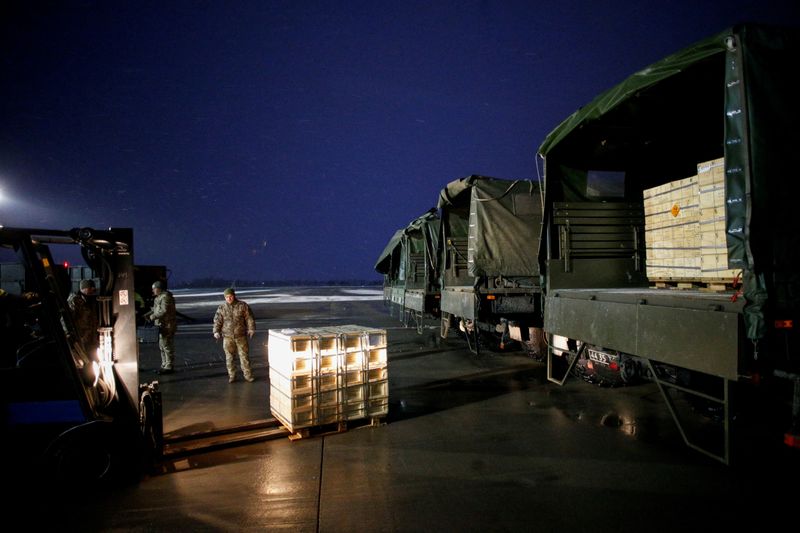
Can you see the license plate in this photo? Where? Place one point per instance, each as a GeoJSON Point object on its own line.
{"type": "Point", "coordinates": [599, 357]}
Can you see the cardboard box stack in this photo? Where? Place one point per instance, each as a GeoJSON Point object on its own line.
{"type": "Point", "coordinates": [327, 375]}
{"type": "Point", "coordinates": [685, 227]}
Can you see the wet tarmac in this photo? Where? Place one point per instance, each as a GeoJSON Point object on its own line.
{"type": "Point", "coordinates": [470, 443]}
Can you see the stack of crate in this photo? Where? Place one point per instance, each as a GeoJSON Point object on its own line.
{"type": "Point", "coordinates": [327, 375]}
{"type": "Point", "coordinates": [672, 214]}
{"type": "Point", "coordinates": [685, 227]}
{"type": "Point", "coordinates": [713, 245]}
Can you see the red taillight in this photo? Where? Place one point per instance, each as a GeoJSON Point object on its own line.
{"type": "Point", "coordinates": [589, 365]}
{"type": "Point", "coordinates": [784, 324]}
{"type": "Point", "coordinates": [791, 440]}
{"type": "Point", "coordinates": [613, 365]}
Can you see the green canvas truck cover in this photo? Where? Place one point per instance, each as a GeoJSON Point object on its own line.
{"type": "Point", "coordinates": [383, 265]}
{"type": "Point", "coordinates": [422, 235]}
{"type": "Point", "coordinates": [731, 94]}
{"type": "Point", "coordinates": [503, 225]}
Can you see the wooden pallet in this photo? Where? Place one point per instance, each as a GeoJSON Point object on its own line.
{"type": "Point", "coordinates": [712, 285]}
{"type": "Point", "coordinates": [336, 427]}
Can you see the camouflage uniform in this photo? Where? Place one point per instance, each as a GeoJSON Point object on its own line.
{"type": "Point", "coordinates": [85, 316]}
{"type": "Point", "coordinates": [235, 322]}
{"type": "Point", "coordinates": [163, 315]}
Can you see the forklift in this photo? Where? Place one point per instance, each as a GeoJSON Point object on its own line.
{"type": "Point", "coordinates": [71, 414]}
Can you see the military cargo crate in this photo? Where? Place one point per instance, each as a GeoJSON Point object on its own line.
{"type": "Point", "coordinates": [327, 374]}
{"type": "Point", "coordinates": [671, 215]}
{"type": "Point", "coordinates": [713, 243]}
{"type": "Point", "coordinates": [685, 227]}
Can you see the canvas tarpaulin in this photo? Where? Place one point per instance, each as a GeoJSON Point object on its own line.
{"type": "Point", "coordinates": [502, 221]}
{"type": "Point", "coordinates": [384, 263]}
{"type": "Point", "coordinates": [422, 236]}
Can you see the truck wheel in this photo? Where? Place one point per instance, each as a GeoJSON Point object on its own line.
{"type": "Point", "coordinates": [628, 370]}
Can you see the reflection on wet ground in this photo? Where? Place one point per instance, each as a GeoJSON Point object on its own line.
{"type": "Point", "coordinates": [439, 395]}
{"type": "Point", "coordinates": [470, 443]}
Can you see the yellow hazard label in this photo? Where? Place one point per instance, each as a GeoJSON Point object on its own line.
{"type": "Point", "coordinates": [45, 262]}
{"type": "Point", "coordinates": [675, 210]}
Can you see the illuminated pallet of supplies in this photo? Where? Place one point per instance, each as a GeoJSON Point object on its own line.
{"type": "Point", "coordinates": [685, 220]}
{"type": "Point", "coordinates": [327, 374]}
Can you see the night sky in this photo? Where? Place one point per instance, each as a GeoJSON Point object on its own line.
{"type": "Point", "coordinates": [278, 140]}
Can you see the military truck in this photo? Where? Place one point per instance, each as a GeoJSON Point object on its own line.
{"type": "Point", "coordinates": [410, 264]}
{"type": "Point", "coordinates": [391, 265]}
{"type": "Point", "coordinates": [490, 285]}
{"type": "Point", "coordinates": [703, 305]}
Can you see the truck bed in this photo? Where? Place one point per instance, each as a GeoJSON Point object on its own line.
{"type": "Point", "coordinates": [694, 329]}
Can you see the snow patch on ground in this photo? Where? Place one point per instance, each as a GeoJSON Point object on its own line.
{"type": "Point", "coordinates": [285, 299]}
{"type": "Point", "coordinates": [369, 292]}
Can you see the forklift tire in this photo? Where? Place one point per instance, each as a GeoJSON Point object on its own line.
{"type": "Point", "coordinates": [92, 455]}
{"type": "Point", "coordinates": [80, 456]}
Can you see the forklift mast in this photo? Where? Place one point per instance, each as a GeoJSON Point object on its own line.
{"type": "Point", "coordinates": [70, 412]}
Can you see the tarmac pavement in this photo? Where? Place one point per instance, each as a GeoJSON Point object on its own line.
{"type": "Point", "coordinates": [471, 443]}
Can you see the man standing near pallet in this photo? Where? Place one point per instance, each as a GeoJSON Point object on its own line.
{"type": "Point", "coordinates": [163, 315]}
{"type": "Point", "coordinates": [234, 322]}
{"type": "Point", "coordinates": [83, 305]}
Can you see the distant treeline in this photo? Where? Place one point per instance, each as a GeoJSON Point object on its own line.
{"type": "Point", "coordinates": [219, 282]}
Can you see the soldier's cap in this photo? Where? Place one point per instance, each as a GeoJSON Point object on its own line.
{"type": "Point", "coordinates": [228, 291]}
{"type": "Point", "coordinates": [87, 284]}
{"type": "Point", "coordinates": [158, 285]}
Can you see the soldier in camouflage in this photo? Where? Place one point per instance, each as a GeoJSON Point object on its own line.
{"type": "Point", "coordinates": [234, 322]}
{"type": "Point", "coordinates": [163, 315]}
{"type": "Point", "coordinates": [83, 305]}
